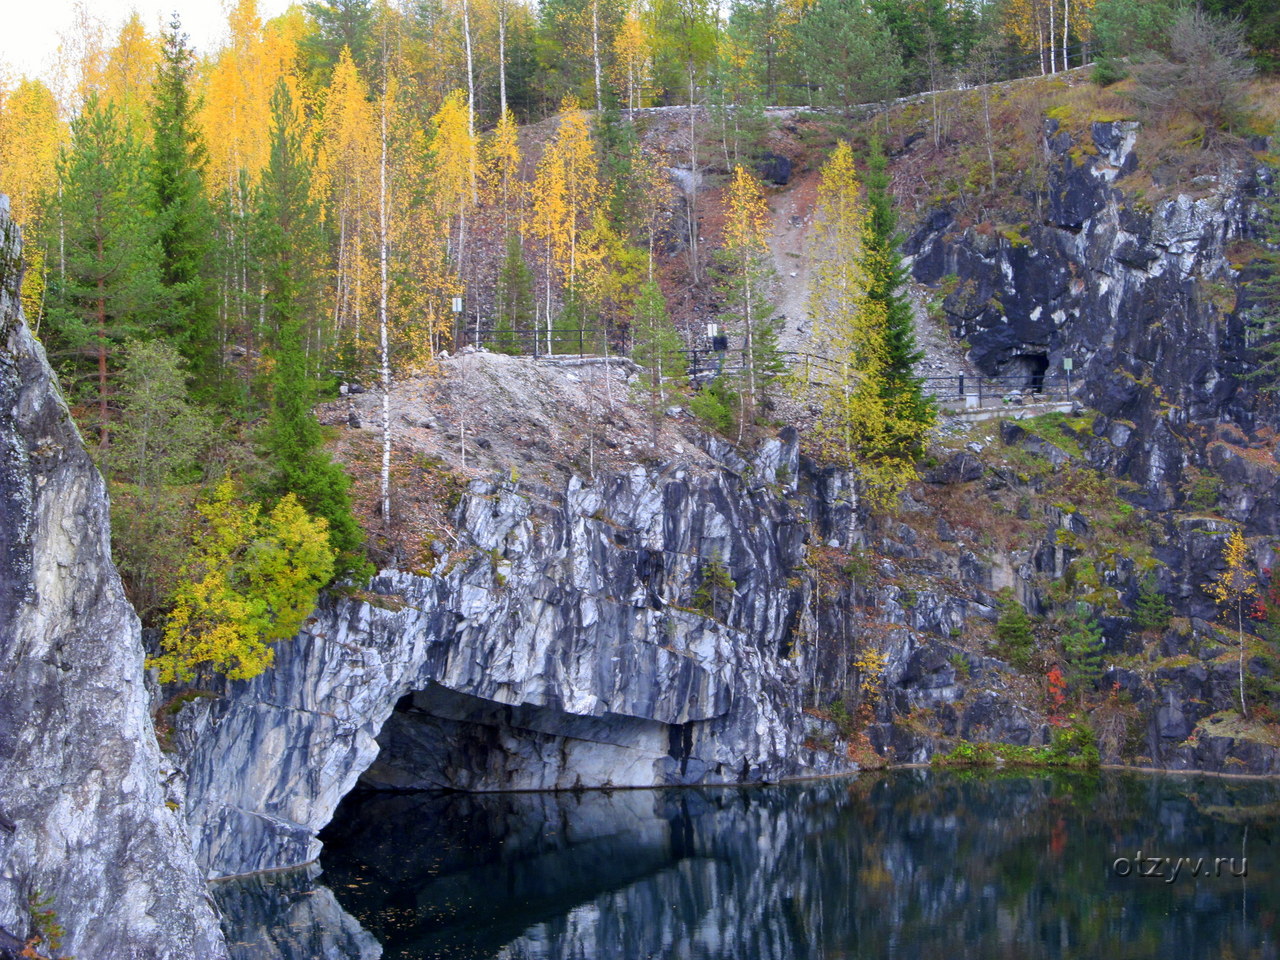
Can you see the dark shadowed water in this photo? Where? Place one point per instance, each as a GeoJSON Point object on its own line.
{"type": "Point", "coordinates": [913, 863]}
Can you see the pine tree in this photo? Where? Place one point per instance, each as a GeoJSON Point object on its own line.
{"type": "Point", "coordinates": [902, 390]}
{"type": "Point", "coordinates": [339, 25]}
{"type": "Point", "coordinates": [513, 307]}
{"type": "Point", "coordinates": [287, 246]}
{"type": "Point", "coordinates": [183, 216]}
{"type": "Point", "coordinates": [110, 290]}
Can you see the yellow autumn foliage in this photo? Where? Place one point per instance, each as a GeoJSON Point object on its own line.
{"type": "Point", "coordinates": [856, 427]}
{"type": "Point", "coordinates": [250, 580]}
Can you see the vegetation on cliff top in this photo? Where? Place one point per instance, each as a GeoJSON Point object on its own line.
{"type": "Point", "coordinates": [255, 213]}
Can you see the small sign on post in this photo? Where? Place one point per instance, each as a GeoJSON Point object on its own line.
{"type": "Point", "coordinates": [1067, 365]}
{"type": "Point", "coordinates": [457, 304]}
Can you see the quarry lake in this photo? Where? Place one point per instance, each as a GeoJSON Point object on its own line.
{"type": "Point", "coordinates": [908, 863]}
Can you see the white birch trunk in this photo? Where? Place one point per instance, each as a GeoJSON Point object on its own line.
{"type": "Point", "coordinates": [693, 182]}
{"type": "Point", "coordinates": [384, 353]}
{"type": "Point", "coordinates": [1053, 39]}
{"type": "Point", "coordinates": [502, 59]}
{"type": "Point", "coordinates": [1066, 32]}
{"type": "Point", "coordinates": [595, 49]}
{"type": "Point", "coordinates": [471, 76]}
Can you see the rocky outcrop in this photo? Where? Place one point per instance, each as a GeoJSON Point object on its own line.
{"type": "Point", "coordinates": [633, 632]}
{"type": "Point", "coordinates": [86, 819]}
{"type": "Point", "coordinates": [1141, 296]}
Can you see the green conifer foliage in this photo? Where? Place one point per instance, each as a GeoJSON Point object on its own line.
{"type": "Point", "coordinates": [288, 241]}
{"type": "Point", "coordinates": [1153, 609]}
{"type": "Point", "coordinates": [658, 349]}
{"type": "Point", "coordinates": [849, 53]}
{"type": "Point", "coordinates": [577, 328]}
{"type": "Point", "coordinates": [514, 315]}
{"type": "Point", "coordinates": [184, 219]}
{"type": "Point", "coordinates": [886, 279]}
{"type": "Point", "coordinates": [1083, 645]}
{"type": "Point", "coordinates": [1014, 630]}
{"type": "Point", "coordinates": [107, 288]}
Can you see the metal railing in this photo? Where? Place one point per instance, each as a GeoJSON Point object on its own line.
{"type": "Point", "coordinates": [703, 364]}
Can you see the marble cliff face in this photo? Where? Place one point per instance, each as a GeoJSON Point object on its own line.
{"type": "Point", "coordinates": [563, 641]}
{"type": "Point", "coordinates": [561, 645]}
{"type": "Point", "coordinates": [87, 818]}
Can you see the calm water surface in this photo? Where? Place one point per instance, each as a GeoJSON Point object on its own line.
{"type": "Point", "coordinates": [912, 863]}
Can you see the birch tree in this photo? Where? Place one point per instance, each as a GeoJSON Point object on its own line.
{"type": "Point", "coordinates": [749, 275]}
{"type": "Point", "coordinates": [566, 191]}
{"type": "Point", "coordinates": [31, 136]}
{"type": "Point", "coordinates": [857, 426]}
{"type": "Point", "coordinates": [347, 172]}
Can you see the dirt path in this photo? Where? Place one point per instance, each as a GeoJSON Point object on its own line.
{"type": "Point", "coordinates": [791, 212]}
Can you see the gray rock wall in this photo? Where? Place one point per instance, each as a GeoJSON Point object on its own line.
{"type": "Point", "coordinates": [1140, 295]}
{"type": "Point", "coordinates": [80, 772]}
{"type": "Point", "coordinates": [557, 646]}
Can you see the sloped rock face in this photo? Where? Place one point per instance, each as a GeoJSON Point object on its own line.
{"type": "Point", "coordinates": [1141, 298]}
{"type": "Point", "coordinates": [562, 643]}
{"type": "Point", "coordinates": [86, 820]}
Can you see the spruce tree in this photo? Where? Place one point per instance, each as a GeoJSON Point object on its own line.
{"type": "Point", "coordinates": [288, 244]}
{"type": "Point", "coordinates": [577, 327]}
{"type": "Point", "coordinates": [1153, 610]}
{"type": "Point", "coordinates": [1014, 630]}
{"type": "Point", "coordinates": [848, 53]}
{"type": "Point", "coordinates": [1263, 291]}
{"type": "Point", "coordinates": [513, 305]}
{"type": "Point", "coordinates": [184, 219]}
{"type": "Point", "coordinates": [902, 390]}
{"type": "Point", "coordinates": [1084, 647]}
{"type": "Point", "coordinates": [108, 290]}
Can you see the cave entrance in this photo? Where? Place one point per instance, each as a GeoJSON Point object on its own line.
{"type": "Point", "coordinates": [1026, 371]}
{"type": "Point", "coordinates": [437, 738]}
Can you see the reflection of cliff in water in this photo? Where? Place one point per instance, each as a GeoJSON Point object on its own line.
{"type": "Point", "coordinates": [916, 863]}
{"type": "Point", "coordinates": [286, 915]}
